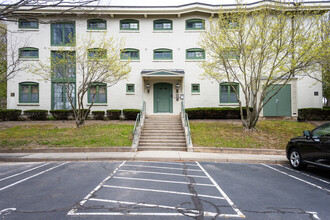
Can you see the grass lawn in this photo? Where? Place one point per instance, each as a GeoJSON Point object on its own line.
{"type": "Point", "coordinates": [271, 134]}
{"type": "Point", "coordinates": [25, 136]}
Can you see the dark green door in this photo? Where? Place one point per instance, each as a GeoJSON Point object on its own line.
{"type": "Point", "coordinates": [163, 102]}
{"type": "Point", "coordinates": [280, 104]}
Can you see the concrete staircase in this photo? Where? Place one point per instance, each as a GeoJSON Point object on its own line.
{"type": "Point", "coordinates": [162, 132]}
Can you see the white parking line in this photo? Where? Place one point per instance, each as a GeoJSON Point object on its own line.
{"type": "Point", "coordinates": [175, 163]}
{"type": "Point", "coordinates": [8, 177]}
{"type": "Point", "coordinates": [147, 214]}
{"type": "Point", "coordinates": [162, 191]}
{"type": "Point", "coordinates": [82, 202]}
{"type": "Point", "coordinates": [162, 181]}
{"type": "Point", "coordinates": [239, 213]}
{"type": "Point", "coordinates": [171, 174]}
{"type": "Point", "coordinates": [154, 206]}
{"type": "Point", "coordinates": [166, 168]}
{"type": "Point", "coordinates": [20, 181]}
{"type": "Point", "coordinates": [309, 183]}
{"type": "Point", "coordinates": [305, 174]}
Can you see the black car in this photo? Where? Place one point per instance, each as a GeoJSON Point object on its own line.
{"type": "Point", "coordinates": [311, 149]}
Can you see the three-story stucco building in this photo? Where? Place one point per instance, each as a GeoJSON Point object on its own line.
{"type": "Point", "coordinates": [162, 43]}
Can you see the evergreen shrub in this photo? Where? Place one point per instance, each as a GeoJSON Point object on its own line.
{"type": "Point", "coordinates": [113, 114]}
{"type": "Point", "coordinates": [315, 114]}
{"type": "Point", "coordinates": [36, 114]}
{"type": "Point", "coordinates": [98, 115]}
{"type": "Point", "coordinates": [130, 114]}
{"type": "Point", "coordinates": [10, 114]}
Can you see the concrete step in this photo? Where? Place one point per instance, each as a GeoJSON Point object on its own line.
{"type": "Point", "coordinates": [162, 141]}
{"type": "Point", "coordinates": [159, 137]}
{"type": "Point", "coordinates": [144, 148]}
{"type": "Point", "coordinates": [163, 144]}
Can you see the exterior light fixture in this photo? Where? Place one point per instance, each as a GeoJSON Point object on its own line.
{"type": "Point", "coordinates": [177, 87]}
{"type": "Point", "coordinates": [148, 87]}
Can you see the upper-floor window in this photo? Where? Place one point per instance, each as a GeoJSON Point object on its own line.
{"type": "Point", "coordinates": [132, 54]}
{"type": "Point", "coordinates": [29, 53]}
{"type": "Point", "coordinates": [129, 24]}
{"type": "Point", "coordinates": [28, 92]}
{"type": "Point", "coordinates": [96, 24]}
{"type": "Point", "coordinates": [163, 54]}
{"type": "Point", "coordinates": [227, 92]}
{"type": "Point", "coordinates": [97, 93]}
{"type": "Point", "coordinates": [163, 25]}
{"type": "Point", "coordinates": [230, 23]}
{"type": "Point", "coordinates": [62, 33]}
{"type": "Point", "coordinates": [28, 24]}
{"type": "Point", "coordinates": [195, 53]}
{"type": "Point", "coordinates": [195, 24]}
{"type": "Point", "coordinates": [97, 53]}
{"type": "Point", "coordinates": [231, 54]}
{"type": "Point", "coordinates": [63, 64]}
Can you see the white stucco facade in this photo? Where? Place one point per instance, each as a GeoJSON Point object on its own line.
{"type": "Point", "coordinates": [179, 72]}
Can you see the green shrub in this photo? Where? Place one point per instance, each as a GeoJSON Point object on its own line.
{"type": "Point", "coordinates": [36, 114]}
{"type": "Point", "coordinates": [316, 114]}
{"type": "Point", "coordinates": [10, 114]}
{"type": "Point", "coordinates": [98, 115]}
{"type": "Point", "coordinates": [214, 113]}
{"type": "Point", "coordinates": [130, 114]}
{"type": "Point", "coordinates": [113, 114]}
{"type": "Point", "coordinates": [61, 114]}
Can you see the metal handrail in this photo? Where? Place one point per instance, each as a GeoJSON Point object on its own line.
{"type": "Point", "coordinates": [185, 119]}
{"type": "Point", "coordinates": [137, 124]}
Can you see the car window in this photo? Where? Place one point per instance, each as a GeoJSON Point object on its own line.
{"type": "Point", "coordinates": [322, 131]}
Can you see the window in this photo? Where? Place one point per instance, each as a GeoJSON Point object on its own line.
{"type": "Point", "coordinates": [96, 24]}
{"type": "Point", "coordinates": [195, 24]}
{"type": "Point", "coordinates": [62, 93]}
{"type": "Point", "coordinates": [27, 24]}
{"type": "Point", "coordinates": [130, 88]}
{"type": "Point", "coordinates": [132, 54]}
{"type": "Point", "coordinates": [163, 54]}
{"type": "Point", "coordinates": [195, 88]}
{"type": "Point", "coordinates": [29, 92]}
{"type": "Point", "coordinates": [29, 53]}
{"type": "Point", "coordinates": [227, 93]}
{"type": "Point", "coordinates": [62, 33]}
{"type": "Point", "coordinates": [63, 65]}
{"type": "Point", "coordinates": [230, 24]}
{"type": "Point", "coordinates": [161, 25]}
{"type": "Point", "coordinates": [231, 54]}
{"type": "Point", "coordinates": [195, 53]}
{"type": "Point", "coordinates": [97, 93]}
{"type": "Point", "coordinates": [129, 24]}
{"type": "Point", "coordinates": [97, 53]}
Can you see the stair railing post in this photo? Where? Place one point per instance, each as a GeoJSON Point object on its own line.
{"type": "Point", "coordinates": [185, 123]}
{"type": "Point", "coordinates": [139, 122]}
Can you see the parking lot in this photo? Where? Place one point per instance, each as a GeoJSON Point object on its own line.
{"type": "Point", "coordinates": [161, 190]}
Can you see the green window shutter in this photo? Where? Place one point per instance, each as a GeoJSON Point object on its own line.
{"type": "Point", "coordinates": [195, 54]}
{"type": "Point", "coordinates": [195, 24]}
{"type": "Point", "coordinates": [163, 25]}
{"type": "Point", "coordinates": [98, 92]}
{"type": "Point", "coordinates": [129, 24]}
{"type": "Point", "coordinates": [29, 92]}
{"type": "Point", "coordinates": [227, 93]}
{"type": "Point", "coordinates": [96, 24]}
{"type": "Point", "coordinates": [195, 88]}
{"type": "Point", "coordinates": [130, 88]}
{"type": "Point", "coordinates": [29, 53]}
{"type": "Point", "coordinates": [63, 34]}
{"type": "Point", "coordinates": [130, 54]}
{"type": "Point", "coordinates": [163, 54]}
{"type": "Point", "coordinates": [28, 24]}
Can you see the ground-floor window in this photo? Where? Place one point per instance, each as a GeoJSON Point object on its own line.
{"type": "Point", "coordinates": [130, 88]}
{"type": "Point", "coordinates": [97, 93]}
{"type": "Point", "coordinates": [62, 93]}
{"type": "Point", "coordinates": [28, 92]}
{"type": "Point", "coordinates": [227, 93]}
{"type": "Point", "coordinates": [195, 88]}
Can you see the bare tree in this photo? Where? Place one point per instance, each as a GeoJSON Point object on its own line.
{"type": "Point", "coordinates": [259, 49]}
{"type": "Point", "coordinates": [92, 61]}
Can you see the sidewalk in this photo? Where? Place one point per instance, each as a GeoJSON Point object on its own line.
{"type": "Point", "coordinates": [144, 155]}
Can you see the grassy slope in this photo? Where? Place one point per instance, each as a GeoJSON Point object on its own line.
{"type": "Point", "coordinates": [271, 134]}
{"type": "Point", "coordinates": [29, 136]}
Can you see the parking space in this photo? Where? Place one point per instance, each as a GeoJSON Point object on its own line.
{"type": "Point", "coordinates": [161, 190]}
{"type": "Point", "coordinates": [158, 189]}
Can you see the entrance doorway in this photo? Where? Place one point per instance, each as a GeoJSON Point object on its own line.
{"type": "Point", "coordinates": [163, 98]}
{"type": "Point", "coordinates": [280, 104]}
